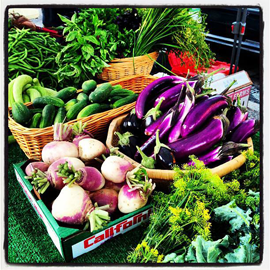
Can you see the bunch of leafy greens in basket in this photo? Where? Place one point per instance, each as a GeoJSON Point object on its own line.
{"type": "Point", "coordinates": [184, 216]}
{"type": "Point", "coordinates": [92, 40]}
{"type": "Point", "coordinates": [182, 30]}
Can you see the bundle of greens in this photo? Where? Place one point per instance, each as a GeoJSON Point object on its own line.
{"type": "Point", "coordinates": [188, 218]}
{"type": "Point", "coordinates": [92, 40]}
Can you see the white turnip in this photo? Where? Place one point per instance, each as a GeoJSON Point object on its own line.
{"type": "Point", "coordinates": [90, 149]}
{"type": "Point", "coordinates": [115, 168]}
{"type": "Point", "coordinates": [134, 195]}
{"type": "Point", "coordinates": [30, 168]}
{"type": "Point", "coordinates": [60, 147]}
{"type": "Point", "coordinates": [80, 133]}
{"type": "Point", "coordinates": [73, 206]}
{"type": "Point", "coordinates": [106, 196]}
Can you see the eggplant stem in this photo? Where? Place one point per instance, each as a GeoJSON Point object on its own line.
{"type": "Point", "coordinates": [159, 144]}
{"type": "Point", "coordinates": [155, 111]}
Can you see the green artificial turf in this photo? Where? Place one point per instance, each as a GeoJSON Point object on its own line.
{"type": "Point", "coordinates": [28, 240]}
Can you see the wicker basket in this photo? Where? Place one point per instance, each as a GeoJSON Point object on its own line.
{"type": "Point", "coordinates": [32, 140]}
{"type": "Point", "coordinates": [122, 67]}
{"type": "Point", "coordinates": [160, 176]}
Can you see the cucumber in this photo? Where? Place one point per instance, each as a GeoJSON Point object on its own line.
{"type": "Point", "coordinates": [21, 114]}
{"type": "Point", "coordinates": [47, 118]}
{"type": "Point", "coordinates": [66, 93]}
{"type": "Point", "coordinates": [35, 110]}
{"type": "Point", "coordinates": [18, 86]}
{"type": "Point", "coordinates": [117, 87]}
{"type": "Point", "coordinates": [35, 120]}
{"type": "Point", "coordinates": [125, 100]}
{"type": "Point", "coordinates": [40, 101]}
{"type": "Point", "coordinates": [82, 96]}
{"type": "Point", "coordinates": [114, 98]}
{"type": "Point", "coordinates": [89, 86]}
{"type": "Point", "coordinates": [75, 109]}
{"type": "Point", "coordinates": [70, 103]}
{"type": "Point", "coordinates": [45, 91]}
{"type": "Point", "coordinates": [33, 93]}
{"type": "Point", "coordinates": [60, 116]}
{"type": "Point", "coordinates": [89, 110]}
{"type": "Point", "coordinates": [26, 98]}
{"type": "Point", "coordinates": [101, 93]}
{"type": "Point", "coordinates": [121, 92]}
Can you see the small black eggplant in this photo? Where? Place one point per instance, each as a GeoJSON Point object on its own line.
{"type": "Point", "coordinates": [127, 143]}
{"type": "Point", "coordinates": [132, 123]}
{"type": "Point", "coordinates": [163, 154]}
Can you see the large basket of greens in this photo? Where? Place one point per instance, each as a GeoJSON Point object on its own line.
{"type": "Point", "coordinates": [32, 134]}
{"type": "Point", "coordinates": [173, 120]}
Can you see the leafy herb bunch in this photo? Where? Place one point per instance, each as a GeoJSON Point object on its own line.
{"type": "Point", "coordinates": [92, 40]}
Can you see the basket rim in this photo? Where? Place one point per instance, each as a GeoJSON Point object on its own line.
{"type": "Point", "coordinates": [48, 130]}
{"type": "Point", "coordinates": [130, 59]}
{"type": "Point", "coordinates": [168, 175]}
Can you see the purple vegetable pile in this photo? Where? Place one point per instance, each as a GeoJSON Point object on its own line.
{"type": "Point", "coordinates": [87, 194]}
{"type": "Point", "coordinates": [175, 118]}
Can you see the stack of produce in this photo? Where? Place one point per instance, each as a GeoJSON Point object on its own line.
{"type": "Point", "coordinates": [86, 193]}
{"type": "Point", "coordinates": [52, 107]}
{"type": "Point", "coordinates": [175, 118]}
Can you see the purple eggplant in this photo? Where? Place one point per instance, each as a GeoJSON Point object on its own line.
{"type": "Point", "coordinates": [236, 115]}
{"type": "Point", "coordinates": [131, 123]}
{"type": "Point", "coordinates": [167, 123]}
{"type": "Point", "coordinates": [150, 130]}
{"type": "Point", "coordinates": [245, 130]}
{"type": "Point", "coordinates": [202, 140]}
{"type": "Point", "coordinates": [227, 150]}
{"type": "Point", "coordinates": [153, 114]}
{"type": "Point", "coordinates": [201, 113]}
{"type": "Point", "coordinates": [127, 143]}
{"type": "Point", "coordinates": [188, 105]}
{"type": "Point", "coordinates": [171, 95]}
{"type": "Point", "coordinates": [154, 87]}
{"type": "Point", "coordinates": [163, 154]}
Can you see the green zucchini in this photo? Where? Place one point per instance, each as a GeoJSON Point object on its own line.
{"type": "Point", "coordinates": [75, 109]}
{"type": "Point", "coordinates": [101, 93]}
{"type": "Point", "coordinates": [66, 93]}
{"type": "Point", "coordinates": [18, 86]}
{"type": "Point", "coordinates": [26, 98]}
{"type": "Point", "coordinates": [33, 93]}
{"type": "Point", "coordinates": [47, 118]}
{"type": "Point", "coordinates": [125, 100]}
{"type": "Point", "coordinates": [11, 99]}
{"type": "Point", "coordinates": [40, 101]}
{"type": "Point", "coordinates": [82, 96]}
{"type": "Point", "coordinates": [21, 114]}
{"type": "Point", "coordinates": [35, 120]}
{"type": "Point", "coordinates": [70, 103]}
{"type": "Point", "coordinates": [89, 86]}
{"type": "Point", "coordinates": [60, 116]}
{"type": "Point", "coordinates": [45, 91]}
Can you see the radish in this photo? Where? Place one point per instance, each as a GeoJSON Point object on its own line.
{"type": "Point", "coordinates": [80, 133]}
{"type": "Point", "coordinates": [115, 168]}
{"type": "Point", "coordinates": [30, 168]}
{"type": "Point", "coordinates": [114, 186]}
{"type": "Point", "coordinates": [73, 206]}
{"type": "Point", "coordinates": [42, 180]}
{"type": "Point", "coordinates": [89, 178]}
{"type": "Point", "coordinates": [60, 147]}
{"type": "Point", "coordinates": [106, 196]}
{"type": "Point", "coordinates": [90, 149]}
{"type": "Point", "coordinates": [134, 195]}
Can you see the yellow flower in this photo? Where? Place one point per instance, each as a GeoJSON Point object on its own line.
{"type": "Point", "coordinates": [144, 243]}
{"type": "Point", "coordinates": [138, 247]}
{"type": "Point", "coordinates": [160, 258]}
{"type": "Point", "coordinates": [154, 252]}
